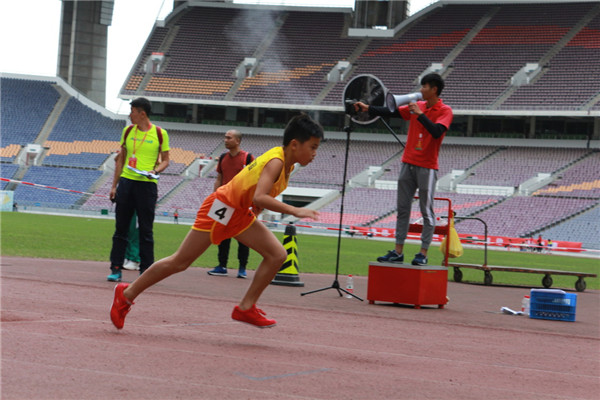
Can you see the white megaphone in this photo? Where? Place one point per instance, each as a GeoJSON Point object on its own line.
{"type": "Point", "coordinates": [395, 101]}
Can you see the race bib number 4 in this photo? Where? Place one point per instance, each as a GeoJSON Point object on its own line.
{"type": "Point", "coordinates": [221, 212]}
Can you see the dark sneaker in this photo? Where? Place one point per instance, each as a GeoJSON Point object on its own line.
{"type": "Point", "coordinates": [242, 274]}
{"type": "Point", "coordinates": [419, 259]}
{"type": "Point", "coordinates": [114, 277]}
{"type": "Point", "coordinates": [392, 256]}
{"type": "Point", "coordinates": [120, 306]}
{"type": "Point", "coordinates": [218, 271]}
{"type": "Point", "coordinates": [253, 316]}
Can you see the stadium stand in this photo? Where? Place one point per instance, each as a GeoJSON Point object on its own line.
{"type": "Point", "coordinates": [383, 206]}
{"type": "Point", "coordinates": [9, 152]}
{"type": "Point", "coordinates": [482, 46]}
{"type": "Point", "coordinates": [523, 163]}
{"type": "Point", "coordinates": [255, 144]}
{"type": "Point", "coordinates": [584, 228]}
{"type": "Point", "coordinates": [202, 60]}
{"type": "Point", "coordinates": [102, 190]}
{"type": "Point", "coordinates": [398, 62]}
{"type": "Point", "coordinates": [463, 204]}
{"type": "Point", "coordinates": [76, 160]}
{"type": "Point", "coordinates": [82, 137]}
{"type": "Point", "coordinates": [531, 212]}
{"type": "Point", "coordinates": [25, 105]}
{"type": "Point", "coordinates": [327, 168]}
{"type": "Point", "coordinates": [577, 168]}
{"type": "Point", "coordinates": [187, 146]}
{"type": "Point", "coordinates": [482, 71]}
{"type": "Point", "coordinates": [558, 86]}
{"type": "Point", "coordinates": [166, 184]}
{"type": "Point", "coordinates": [187, 198]}
{"type": "Point", "coordinates": [155, 40]}
{"type": "Point", "coordinates": [67, 178]}
{"type": "Point", "coordinates": [460, 157]}
{"type": "Point", "coordinates": [361, 205]}
{"type": "Point", "coordinates": [296, 63]}
{"type": "Point", "coordinates": [79, 122]}
{"type": "Point", "coordinates": [7, 171]}
{"type": "Point", "coordinates": [295, 50]}
{"type": "Point", "coordinates": [580, 180]}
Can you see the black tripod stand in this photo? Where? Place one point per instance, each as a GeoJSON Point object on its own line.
{"type": "Point", "coordinates": [336, 283]}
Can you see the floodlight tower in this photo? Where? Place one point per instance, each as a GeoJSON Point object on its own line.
{"type": "Point", "coordinates": [386, 14]}
{"type": "Point", "coordinates": [83, 43]}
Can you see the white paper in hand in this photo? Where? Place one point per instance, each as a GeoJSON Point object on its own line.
{"type": "Point", "coordinates": [144, 173]}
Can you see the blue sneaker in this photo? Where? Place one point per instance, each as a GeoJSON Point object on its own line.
{"type": "Point", "coordinates": [419, 259]}
{"type": "Point", "coordinates": [114, 277]}
{"type": "Point", "coordinates": [242, 274]}
{"type": "Point", "coordinates": [392, 257]}
{"type": "Point", "coordinates": [218, 271]}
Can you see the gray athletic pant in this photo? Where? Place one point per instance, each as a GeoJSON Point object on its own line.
{"type": "Point", "coordinates": [412, 178]}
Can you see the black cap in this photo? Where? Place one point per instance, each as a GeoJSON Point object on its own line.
{"type": "Point", "coordinates": [142, 103]}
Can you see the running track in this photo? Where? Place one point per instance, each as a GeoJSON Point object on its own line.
{"type": "Point", "coordinates": [180, 343]}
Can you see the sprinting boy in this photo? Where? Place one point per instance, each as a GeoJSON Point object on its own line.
{"type": "Point", "coordinates": [231, 212]}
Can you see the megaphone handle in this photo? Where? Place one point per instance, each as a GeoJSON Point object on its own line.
{"type": "Point", "coordinates": [392, 132]}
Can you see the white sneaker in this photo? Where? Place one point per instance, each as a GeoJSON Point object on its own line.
{"type": "Point", "coordinates": [131, 265]}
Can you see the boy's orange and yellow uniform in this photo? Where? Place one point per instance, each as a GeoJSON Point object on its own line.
{"type": "Point", "coordinates": [226, 212]}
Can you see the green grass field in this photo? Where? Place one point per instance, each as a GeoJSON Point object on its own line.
{"type": "Point", "coordinates": [80, 238]}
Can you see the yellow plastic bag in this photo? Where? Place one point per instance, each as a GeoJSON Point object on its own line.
{"type": "Point", "coordinates": [456, 249]}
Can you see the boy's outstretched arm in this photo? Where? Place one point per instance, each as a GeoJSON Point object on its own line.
{"type": "Point", "coordinates": [262, 199]}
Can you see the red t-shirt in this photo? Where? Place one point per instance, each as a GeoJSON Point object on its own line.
{"type": "Point", "coordinates": [231, 166]}
{"type": "Point", "coordinates": [422, 149]}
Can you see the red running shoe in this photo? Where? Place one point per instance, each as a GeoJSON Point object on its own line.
{"type": "Point", "coordinates": [253, 316]}
{"type": "Point", "coordinates": [120, 306]}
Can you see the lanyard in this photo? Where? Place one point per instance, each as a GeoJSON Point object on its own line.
{"type": "Point", "coordinates": [135, 139]}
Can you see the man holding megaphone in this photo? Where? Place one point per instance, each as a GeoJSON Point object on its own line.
{"type": "Point", "coordinates": [429, 121]}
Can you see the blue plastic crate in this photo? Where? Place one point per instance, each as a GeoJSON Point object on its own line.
{"type": "Point", "coordinates": [552, 304]}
